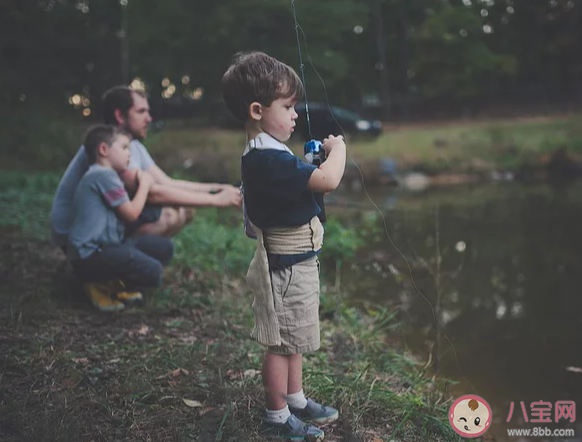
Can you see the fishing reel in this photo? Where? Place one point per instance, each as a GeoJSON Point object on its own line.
{"type": "Point", "coordinates": [314, 152]}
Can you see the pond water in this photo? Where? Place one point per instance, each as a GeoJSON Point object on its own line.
{"type": "Point", "coordinates": [507, 291]}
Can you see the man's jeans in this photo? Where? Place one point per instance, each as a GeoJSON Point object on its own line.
{"type": "Point", "coordinates": [138, 262]}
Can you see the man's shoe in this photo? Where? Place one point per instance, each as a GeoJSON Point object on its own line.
{"type": "Point", "coordinates": [294, 429]}
{"type": "Point", "coordinates": [317, 413]}
{"type": "Point", "coordinates": [102, 296]}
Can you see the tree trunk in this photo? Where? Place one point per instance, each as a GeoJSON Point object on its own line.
{"type": "Point", "coordinates": [382, 65]}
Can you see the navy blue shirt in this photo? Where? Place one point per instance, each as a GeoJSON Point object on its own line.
{"type": "Point", "coordinates": [276, 194]}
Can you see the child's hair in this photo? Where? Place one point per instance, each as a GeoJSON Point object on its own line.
{"type": "Point", "coordinates": [100, 134]}
{"type": "Point", "coordinates": [118, 98]}
{"type": "Point", "coordinates": [255, 76]}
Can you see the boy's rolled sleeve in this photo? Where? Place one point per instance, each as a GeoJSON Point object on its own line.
{"type": "Point", "coordinates": [111, 189]}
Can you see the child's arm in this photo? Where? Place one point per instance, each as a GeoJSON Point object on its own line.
{"type": "Point", "coordinates": [330, 173]}
{"type": "Point", "coordinates": [130, 210]}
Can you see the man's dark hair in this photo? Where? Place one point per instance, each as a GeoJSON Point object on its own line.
{"type": "Point", "coordinates": [118, 98]}
{"type": "Point", "coordinates": [255, 76]}
{"type": "Point", "coordinates": [100, 134]}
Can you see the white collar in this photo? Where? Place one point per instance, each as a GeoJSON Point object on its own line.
{"type": "Point", "coordinates": [265, 141]}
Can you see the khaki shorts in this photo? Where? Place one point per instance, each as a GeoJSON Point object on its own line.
{"type": "Point", "coordinates": [296, 297]}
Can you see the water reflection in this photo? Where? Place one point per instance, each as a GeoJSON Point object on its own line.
{"type": "Point", "coordinates": [502, 268]}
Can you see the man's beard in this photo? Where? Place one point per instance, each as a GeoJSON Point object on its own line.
{"type": "Point", "coordinates": [135, 135]}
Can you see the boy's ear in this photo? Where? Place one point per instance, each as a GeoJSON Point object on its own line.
{"type": "Point", "coordinates": [256, 111]}
{"type": "Point", "coordinates": [119, 117]}
{"type": "Point", "coordinates": [102, 150]}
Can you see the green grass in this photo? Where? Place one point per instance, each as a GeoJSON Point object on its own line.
{"type": "Point", "coordinates": [504, 145]}
{"type": "Point", "coordinates": [70, 373]}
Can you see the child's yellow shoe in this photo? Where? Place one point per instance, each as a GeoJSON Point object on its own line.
{"type": "Point", "coordinates": [102, 296]}
{"type": "Point", "coordinates": [125, 296]}
{"type": "Point", "coordinates": [130, 298]}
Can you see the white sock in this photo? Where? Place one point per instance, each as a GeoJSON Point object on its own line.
{"type": "Point", "coordinates": [278, 416]}
{"type": "Point", "coordinates": [297, 400]}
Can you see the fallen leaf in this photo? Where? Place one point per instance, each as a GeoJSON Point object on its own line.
{"type": "Point", "coordinates": [232, 374]}
{"type": "Point", "coordinates": [251, 373]}
{"type": "Point", "coordinates": [143, 330]}
{"type": "Point", "coordinates": [188, 339]}
{"type": "Point", "coordinates": [191, 403]}
{"type": "Point", "coordinates": [68, 383]}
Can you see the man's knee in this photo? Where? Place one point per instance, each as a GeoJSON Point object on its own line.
{"type": "Point", "coordinates": [171, 222]}
{"type": "Point", "coordinates": [177, 219]}
{"type": "Point", "coordinates": [170, 217]}
{"type": "Point", "coordinates": [189, 213]}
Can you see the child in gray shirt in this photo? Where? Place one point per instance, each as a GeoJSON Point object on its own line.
{"type": "Point", "coordinates": [113, 268]}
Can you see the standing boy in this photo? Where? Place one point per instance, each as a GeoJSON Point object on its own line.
{"type": "Point", "coordinates": [278, 196]}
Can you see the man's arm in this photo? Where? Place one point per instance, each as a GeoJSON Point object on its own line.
{"type": "Point", "coordinates": [168, 194]}
{"type": "Point", "coordinates": [176, 196]}
{"type": "Point", "coordinates": [161, 177]}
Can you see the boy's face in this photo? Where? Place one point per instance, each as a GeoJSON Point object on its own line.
{"type": "Point", "coordinates": [119, 154]}
{"type": "Point", "coordinates": [278, 119]}
{"type": "Point", "coordinates": [138, 118]}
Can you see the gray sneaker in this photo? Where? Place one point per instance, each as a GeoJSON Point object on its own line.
{"type": "Point", "coordinates": [314, 412]}
{"type": "Point", "coordinates": [294, 429]}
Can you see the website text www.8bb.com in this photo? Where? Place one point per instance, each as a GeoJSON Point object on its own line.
{"type": "Point", "coordinates": [541, 432]}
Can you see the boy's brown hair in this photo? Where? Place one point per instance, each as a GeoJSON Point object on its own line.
{"type": "Point", "coordinates": [255, 76]}
{"type": "Point", "coordinates": [101, 133]}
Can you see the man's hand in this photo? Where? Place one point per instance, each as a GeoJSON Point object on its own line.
{"type": "Point", "coordinates": [218, 187]}
{"type": "Point", "coordinates": [229, 196]}
{"type": "Point", "coordinates": [332, 142]}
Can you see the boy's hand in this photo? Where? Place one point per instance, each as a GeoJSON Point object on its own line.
{"type": "Point", "coordinates": [332, 142]}
{"type": "Point", "coordinates": [229, 197]}
{"type": "Point", "coordinates": [129, 178]}
{"type": "Point", "coordinates": [145, 179]}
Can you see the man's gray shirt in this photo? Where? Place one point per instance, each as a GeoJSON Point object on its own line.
{"type": "Point", "coordinates": [63, 201]}
{"type": "Point", "coordinates": [94, 219]}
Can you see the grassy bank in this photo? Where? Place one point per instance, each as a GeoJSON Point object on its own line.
{"type": "Point", "coordinates": [475, 148]}
{"type": "Point", "coordinates": [455, 147]}
{"type": "Point", "coordinates": [182, 368]}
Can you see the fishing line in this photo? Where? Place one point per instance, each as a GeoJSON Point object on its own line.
{"type": "Point", "coordinates": [412, 280]}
